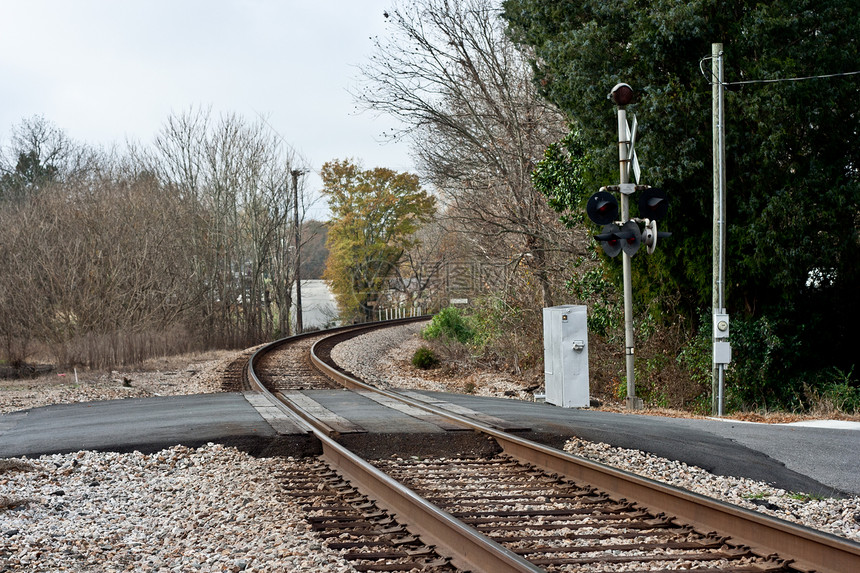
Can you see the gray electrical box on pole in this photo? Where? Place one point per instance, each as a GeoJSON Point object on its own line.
{"type": "Point", "coordinates": [565, 344]}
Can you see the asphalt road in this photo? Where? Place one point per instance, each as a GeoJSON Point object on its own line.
{"type": "Point", "coordinates": [796, 458]}
{"type": "Point", "coordinates": [143, 424]}
{"type": "Point", "coordinates": [812, 460]}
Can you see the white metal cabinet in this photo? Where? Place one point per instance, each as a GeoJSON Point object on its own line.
{"type": "Point", "coordinates": [565, 343]}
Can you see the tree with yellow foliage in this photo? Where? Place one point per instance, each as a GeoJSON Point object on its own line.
{"type": "Point", "coordinates": [375, 214]}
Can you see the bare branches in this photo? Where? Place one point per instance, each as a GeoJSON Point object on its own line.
{"type": "Point", "coordinates": [450, 72]}
{"type": "Point", "coordinates": [192, 236]}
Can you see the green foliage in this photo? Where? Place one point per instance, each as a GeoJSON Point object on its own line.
{"type": "Point", "coordinates": [561, 176]}
{"type": "Point", "coordinates": [834, 389]}
{"type": "Point", "coordinates": [696, 356]}
{"type": "Point", "coordinates": [844, 396]}
{"type": "Point", "coordinates": [793, 250]}
{"type": "Point", "coordinates": [425, 359]}
{"type": "Point", "coordinates": [765, 372]}
{"type": "Point", "coordinates": [449, 324]}
{"type": "Point", "coordinates": [509, 331]}
{"type": "Point", "coordinates": [494, 330]}
{"type": "Point", "coordinates": [593, 288]}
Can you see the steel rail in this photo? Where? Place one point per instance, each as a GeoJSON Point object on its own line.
{"type": "Point", "coordinates": [331, 331]}
{"type": "Point", "coordinates": [807, 548]}
{"type": "Point", "coordinates": [468, 548]}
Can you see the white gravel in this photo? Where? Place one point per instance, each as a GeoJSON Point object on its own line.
{"type": "Point", "coordinates": [836, 516]}
{"type": "Point", "coordinates": [218, 509]}
{"type": "Point", "coordinates": [181, 509]}
{"type": "Point", "coordinates": [207, 509]}
{"type": "Point", "coordinates": [179, 375]}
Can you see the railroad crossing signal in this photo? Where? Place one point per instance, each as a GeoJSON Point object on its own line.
{"type": "Point", "coordinates": [653, 204]}
{"type": "Point", "coordinates": [609, 239]}
{"type": "Point", "coordinates": [631, 237]}
{"type": "Point", "coordinates": [602, 208]}
{"type": "Point", "coordinates": [627, 236]}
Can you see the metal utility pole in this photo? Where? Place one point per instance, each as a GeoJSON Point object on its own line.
{"type": "Point", "coordinates": [721, 350]}
{"type": "Point", "coordinates": [295, 173]}
{"type": "Point", "coordinates": [621, 95]}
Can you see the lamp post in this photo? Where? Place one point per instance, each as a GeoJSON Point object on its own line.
{"type": "Point", "coordinates": [295, 173]}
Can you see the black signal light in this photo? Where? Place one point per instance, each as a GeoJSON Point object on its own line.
{"type": "Point", "coordinates": [631, 237]}
{"type": "Point", "coordinates": [602, 208]}
{"type": "Point", "coordinates": [653, 204]}
{"type": "Point", "coordinates": [609, 240]}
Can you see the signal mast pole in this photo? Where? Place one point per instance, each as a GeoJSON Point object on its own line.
{"type": "Point", "coordinates": [621, 95]}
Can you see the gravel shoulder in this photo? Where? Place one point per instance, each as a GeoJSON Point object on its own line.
{"type": "Point", "coordinates": [217, 509]}
{"type": "Point", "coordinates": [184, 374]}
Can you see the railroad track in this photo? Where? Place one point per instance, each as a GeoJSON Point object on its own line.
{"type": "Point", "coordinates": [529, 508]}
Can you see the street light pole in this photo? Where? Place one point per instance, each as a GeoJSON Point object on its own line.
{"type": "Point", "coordinates": [295, 173]}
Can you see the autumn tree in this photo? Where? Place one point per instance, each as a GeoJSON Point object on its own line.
{"type": "Point", "coordinates": [375, 214]}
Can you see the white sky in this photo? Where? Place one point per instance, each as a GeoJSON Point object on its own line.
{"type": "Point", "coordinates": [107, 71]}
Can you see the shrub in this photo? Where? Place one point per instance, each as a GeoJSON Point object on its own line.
{"type": "Point", "coordinates": [508, 333]}
{"type": "Point", "coordinates": [424, 358]}
{"type": "Point", "coordinates": [833, 390]}
{"type": "Point", "coordinates": [451, 324]}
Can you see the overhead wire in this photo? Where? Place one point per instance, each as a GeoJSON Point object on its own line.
{"type": "Point", "coordinates": [771, 81]}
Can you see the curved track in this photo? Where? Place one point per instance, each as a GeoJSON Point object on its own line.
{"type": "Point", "coordinates": [534, 508]}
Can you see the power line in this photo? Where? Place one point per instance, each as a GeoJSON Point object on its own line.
{"type": "Point", "coordinates": [798, 79]}
{"type": "Point", "coordinates": [776, 80]}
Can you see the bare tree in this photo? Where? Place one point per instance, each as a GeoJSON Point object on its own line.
{"type": "Point", "coordinates": [450, 72]}
{"type": "Point", "coordinates": [416, 278]}
{"type": "Point", "coordinates": [238, 175]}
{"type": "Point", "coordinates": [103, 258]}
{"type": "Point", "coordinates": [108, 255]}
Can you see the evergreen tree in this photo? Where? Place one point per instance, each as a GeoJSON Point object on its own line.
{"type": "Point", "coordinates": [791, 151]}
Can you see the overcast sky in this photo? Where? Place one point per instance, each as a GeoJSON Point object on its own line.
{"type": "Point", "coordinates": [109, 70]}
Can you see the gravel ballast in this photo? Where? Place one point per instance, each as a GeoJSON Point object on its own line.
{"type": "Point", "coordinates": [206, 509]}
{"type": "Point", "coordinates": [384, 356]}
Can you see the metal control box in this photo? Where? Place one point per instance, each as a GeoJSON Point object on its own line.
{"type": "Point", "coordinates": [565, 351]}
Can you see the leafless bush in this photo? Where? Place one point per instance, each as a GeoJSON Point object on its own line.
{"type": "Point", "coordinates": [109, 259]}
{"type": "Point", "coordinates": [90, 257]}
